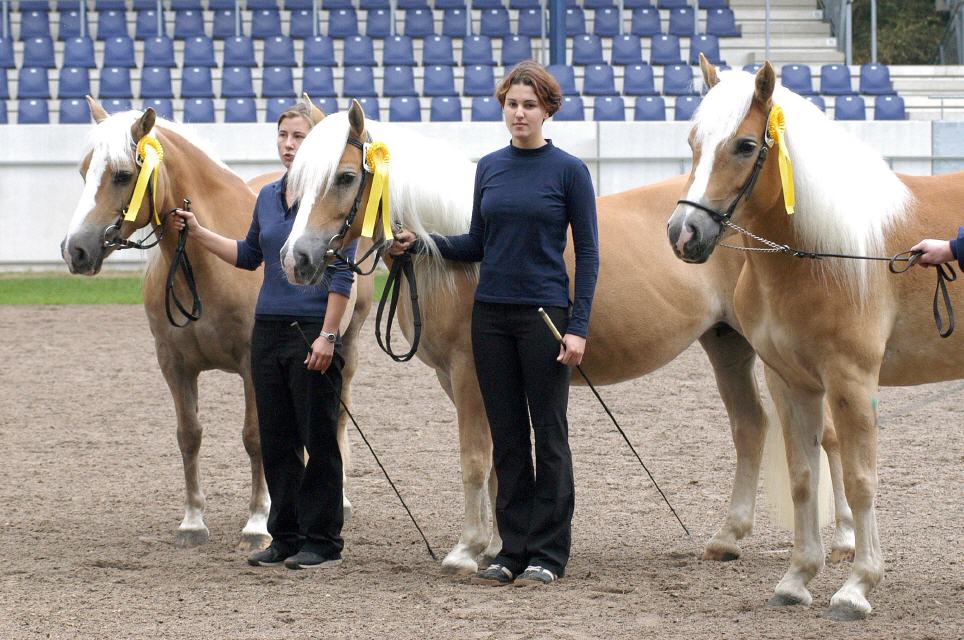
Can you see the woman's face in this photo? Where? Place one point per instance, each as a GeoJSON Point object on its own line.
{"type": "Point", "coordinates": [524, 115]}
{"type": "Point", "coordinates": [291, 133]}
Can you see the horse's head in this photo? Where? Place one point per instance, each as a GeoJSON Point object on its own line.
{"type": "Point", "coordinates": [110, 172]}
{"type": "Point", "coordinates": [729, 175]}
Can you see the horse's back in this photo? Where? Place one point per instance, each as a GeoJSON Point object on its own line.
{"type": "Point", "coordinates": [258, 182]}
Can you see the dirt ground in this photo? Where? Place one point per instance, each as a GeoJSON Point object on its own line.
{"type": "Point", "coordinates": [92, 490]}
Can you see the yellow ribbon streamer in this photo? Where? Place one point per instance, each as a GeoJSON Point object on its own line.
{"type": "Point", "coordinates": [776, 129]}
{"type": "Point", "coordinates": [150, 154]}
{"type": "Point", "coordinates": [377, 159]}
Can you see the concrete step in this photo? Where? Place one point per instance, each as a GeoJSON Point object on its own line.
{"type": "Point", "coordinates": [801, 56]}
{"type": "Point", "coordinates": [786, 28]}
{"type": "Point", "coordinates": [761, 4]}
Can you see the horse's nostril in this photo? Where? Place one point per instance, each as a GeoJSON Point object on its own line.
{"type": "Point", "coordinates": [78, 255]}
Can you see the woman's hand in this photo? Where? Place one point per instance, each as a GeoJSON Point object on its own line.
{"type": "Point", "coordinates": [933, 252]}
{"type": "Point", "coordinates": [321, 353]}
{"type": "Point", "coordinates": [184, 219]}
{"type": "Point", "coordinates": [571, 350]}
{"type": "Point", "coordinates": [403, 241]}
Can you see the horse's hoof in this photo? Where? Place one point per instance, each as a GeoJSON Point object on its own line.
{"type": "Point", "coordinates": [190, 538]}
{"type": "Point", "coordinates": [721, 552]}
{"type": "Point", "coordinates": [843, 613]}
{"type": "Point", "coordinates": [841, 555]}
{"type": "Point", "coordinates": [253, 542]}
{"type": "Point", "coordinates": [347, 510]}
{"type": "Point", "coordinates": [459, 566]}
{"type": "Point", "coordinates": [784, 600]}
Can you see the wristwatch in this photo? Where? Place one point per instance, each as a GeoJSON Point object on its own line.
{"type": "Point", "coordinates": [330, 337]}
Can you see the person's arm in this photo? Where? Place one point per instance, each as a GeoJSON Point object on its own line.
{"type": "Point", "coordinates": [940, 251]}
{"type": "Point", "coordinates": [581, 206]}
{"type": "Point", "coordinates": [224, 248]}
{"type": "Point", "coordinates": [322, 350]}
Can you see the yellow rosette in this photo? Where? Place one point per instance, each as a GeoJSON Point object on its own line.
{"type": "Point", "coordinates": [150, 154]}
{"type": "Point", "coordinates": [777, 129]}
{"type": "Point", "coordinates": [377, 160]}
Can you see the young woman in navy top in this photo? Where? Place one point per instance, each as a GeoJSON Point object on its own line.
{"type": "Point", "coordinates": [527, 196]}
{"type": "Point", "coordinates": [297, 408]}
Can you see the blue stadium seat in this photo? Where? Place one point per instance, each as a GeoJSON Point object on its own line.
{"type": "Point", "coordinates": [398, 81]}
{"type": "Point", "coordinates": [217, 5]}
{"type": "Point", "coordinates": [454, 23]}
{"type": "Point", "coordinates": [682, 22]}
{"type": "Point", "coordinates": [486, 109]}
{"type": "Point", "coordinates": [116, 105]}
{"type": "Point", "coordinates": [34, 24]}
{"type": "Point", "coordinates": [722, 23]}
{"type": "Point", "coordinates": [530, 23]}
{"type": "Point", "coordinates": [627, 49]}
{"type": "Point", "coordinates": [33, 82]}
{"type": "Point", "coordinates": [752, 67]}
{"type": "Point", "coordinates": [495, 23]}
{"type": "Point", "coordinates": [479, 80]}
{"type": "Point", "coordinates": [277, 82]}
{"type": "Point", "coordinates": [326, 104]}
{"type": "Point", "coordinates": [370, 107]}
{"type": "Point", "coordinates": [608, 109]}
{"type": "Point", "coordinates": [685, 107]}
{"type": "Point", "coordinates": [599, 80]}
{"type": "Point", "coordinates": [6, 54]}
{"type": "Point", "coordinates": [103, 5]}
{"type": "Point", "coordinates": [404, 109]}
{"type": "Point", "coordinates": [4, 87]}
{"type": "Point", "coordinates": [645, 22]}
{"type": "Point", "coordinates": [359, 51]}
{"type": "Point", "coordinates": [818, 101]}
{"type": "Point", "coordinates": [331, 5]}
{"type": "Point", "coordinates": [486, 4]}
{"type": "Point", "coordinates": [450, 4]}
{"type": "Point", "coordinates": [74, 111]}
{"type": "Point", "coordinates": [319, 51]}
{"type": "Point", "coordinates": [225, 25]}
{"type": "Point", "coordinates": [889, 108]}
{"type": "Point", "coordinates": [256, 5]}
{"type": "Point", "coordinates": [398, 51]}
{"type": "Point", "coordinates": [649, 108]}
{"type": "Point", "coordinates": [835, 80]}
{"type": "Point", "coordinates": [638, 80]}
{"type": "Point", "coordinates": [180, 5]}
{"type": "Point", "coordinates": [73, 82]}
{"type": "Point", "coordinates": [476, 50]}
{"type": "Point", "coordinates": [236, 83]}
{"type": "Point", "coordinates": [849, 108]}
{"type": "Point", "coordinates": [797, 78]}
{"type": "Point", "coordinates": [276, 106]}
{"type": "Point", "coordinates": [145, 25]}
{"type": "Point", "coordinates": [566, 77]}
{"type": "Point", "coordinates": [575, 21]}
{"type": "Point", "coordinates": [301, 25]}
{"type": "Point", "coordinates": [587, 49]}
{"type": "Point", "coordinates": [342, 23]}
{"type": "Point", "coordinates": [72, 26]}
{"type": "Point", "coordinates": [78, 52]}
{"type": "Point", "coordinates": [606, 22]}
{"type": "Point", "coordinates": [412, 4]}
{"type": "Point", "coordinates": [33, 5]}
{"type": "Point", "coordinates": [115, 82]}
{"type": "Point", "coordinates": [33, 111]}
{"type": "Point", "coordinates": [318, 82]}
{"type": "Point", "coordinates": [446, 109]}
{"type": "Point", "coordinates": [571, 109]}
{"type": "Point", "coordinates": [196, 83]}
{"type": "Point", "coordinates": [515, 49]}
{"type": "Point", "coordinates": [524, 4]}
{"type": "Point", "coordinates": [709, 46]}
{"type": "Point", "coordinates": [158, 52]}
{"type": "Point", "coordinates": [439, 80]}
{"type": "Point", "coordinates": [678, 80]}
{"type": "Point", "coordinates": [239, 52]}
{"type": "Point", "coordinates": [672, 4]}
{"type": "Point", "coordinates": [111, 23]}
{"type": "Point", "coordinates": [875, 80]}
{"type": "Point", "coordinates": [437, 50]}
{"type": "Point", "coordinates": [156, 83]}
{"type": "Point", "coordinates": [598, 4]}
{"type": "Point", "coordinates": [188, 24]}
{"type": "Point", "coordinates": [665, 50]}
{"type": "Point", "coordinates": [419, 23]}
{"type": "Point", "coordinates": [38, 52]}
{"type": "Point", "coordinates": [198, 110]}
{"type": "Point", "coordinates": [378, 23]}
{"type": "Point", "coordinates": [240, 110]}
{"type": "Point", "coordinates": [199, 52]}
{"type": "Point", "coordinates": [279, 51]}
{"type": "Point", "coordinates": [164, 107]}
{"type": "Point", "coordinates": [714, 4]}
{"type": "Point", "coordinates": [358, 82]}
{"type": "Point", "coordinates": [265, 23]}
{"type": "Point", "coordinates": [373, 4]}
{"type": "Point", "coordinates": [119, 52]}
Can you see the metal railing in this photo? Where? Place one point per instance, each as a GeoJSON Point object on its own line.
{"type": "Point", "coordinates": [951, 48]}
{"type": "Point", "coordinates": [840, 15]}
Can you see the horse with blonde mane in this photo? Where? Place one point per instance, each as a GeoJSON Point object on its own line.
{"type": "Point", "coordinates": [642, 317]}
{"type": "Point", "coordinates": [221, 338]}
{"type": "Point", "coordinates": [829, 329]}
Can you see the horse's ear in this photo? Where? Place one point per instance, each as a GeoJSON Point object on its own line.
{"type": "Point", "coordinates": [766, 80]}
{"type": "Point", "coordinates": [356, 118]}
{"type": "Point", "coordinates": [317, 115]}
{"type": "Point", "coordinates": [709, 72]}
{"type": "Point", "coordinates": [96, 111]}
{"type": "Point", "coordinates": [144, 124]}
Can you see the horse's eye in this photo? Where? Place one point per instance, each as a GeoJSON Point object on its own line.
{"type": "Point", "coordinates": [346, 179]}
{"type": "Point", "coordinates": [122, 177]}
{"type": "Point", "coordinates": [745, 147]}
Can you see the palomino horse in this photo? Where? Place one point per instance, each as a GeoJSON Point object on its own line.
{"type": "Point", "coordinates": [221, 338]}
{"type": "Point", "coordinates": [643, 316]}
{"type": "Point", "coordinates": [830, 329]}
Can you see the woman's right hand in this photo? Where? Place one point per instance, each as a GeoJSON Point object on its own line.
{"type": "Point", "coordinates": [184, 219]}
{"type": "Point", "coordinates": [402, 242]}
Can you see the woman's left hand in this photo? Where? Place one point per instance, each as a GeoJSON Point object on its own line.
{"type": "Point", "coordinates": [321, 353]}
{"type": "Point", "coordinates": [571, 350]}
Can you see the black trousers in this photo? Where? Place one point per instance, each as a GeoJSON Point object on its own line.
{"type": "Point", "coordinates": [515, 360]}
{"type": "Point", "coordinates": [298, 410]}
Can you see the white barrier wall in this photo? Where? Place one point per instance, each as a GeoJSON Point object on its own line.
{"type": "Point", "coordinates": [40, 183]}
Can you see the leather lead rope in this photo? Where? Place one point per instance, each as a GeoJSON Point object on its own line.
{"type": "Point", "coordinates": [401, 266]}
{"type": "Point", "coordinates": [182, 262]}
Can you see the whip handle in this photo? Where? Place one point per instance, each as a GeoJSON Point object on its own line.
{"type": "Point", "coordinates": [548, 321]}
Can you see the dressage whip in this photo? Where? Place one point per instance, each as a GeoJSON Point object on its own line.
{"type": "Point", "coordinates": [558, 336]}
{"type": "Point", "coordinates": [296, 325]}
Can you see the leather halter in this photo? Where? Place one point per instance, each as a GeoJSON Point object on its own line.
{"type": "Point", "coordinates": [332, 252]}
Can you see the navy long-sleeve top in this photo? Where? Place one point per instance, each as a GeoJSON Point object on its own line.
{"type": "Point", "coordinates": [956, 245]}
{"type": "Point", "coordinates": [524, 202]}
{"type": "Point", "coordinates": [279, 299]}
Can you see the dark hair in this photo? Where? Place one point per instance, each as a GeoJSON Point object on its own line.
{"type": "Point", "coordinates": [533, 74]}
{"type": "Point", "coordinates": [297, 110]}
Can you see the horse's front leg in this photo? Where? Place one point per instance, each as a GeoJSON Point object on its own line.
{"type": "Point", "coordinates": [801, 414]}
{"type": "Point", "coordinates": [255, 535]}
{"type": "Point", "coordinates": [842, 546]}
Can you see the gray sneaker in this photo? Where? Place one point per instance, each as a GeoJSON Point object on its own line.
{"type": "Point", "coordinates": [495, 575]}
{"type": "Point", "coordinates": [535, 576]}
{"type": "Point", "coordinates": [270, 557]}
{"type": "Point", "coordinates": [311, 560]}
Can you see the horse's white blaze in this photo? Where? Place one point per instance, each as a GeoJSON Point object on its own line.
{"type": "Point", "coordinates": [88, 198]}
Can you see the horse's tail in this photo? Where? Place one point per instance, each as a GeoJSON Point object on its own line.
{"type": "Point", "coordinates": [776, 478]}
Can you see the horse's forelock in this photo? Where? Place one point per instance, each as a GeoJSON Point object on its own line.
{"type": "Point", "coordinates": [313, 170]}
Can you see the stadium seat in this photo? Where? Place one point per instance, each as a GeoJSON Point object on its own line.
{"type": "Point", "coordinates": [875, 80]}
{"type": "Point", "coordinates": [665, 50]}
{"type": "Point", "coordinates": [446, 109]}
{"type": "Point", "coordinates": [180, 5]}
{"type": "Point", "coordinates": [34, 24]}
{"type": "Point", "coordinates": [276, 106]}
{"type": "Point", "coordinates": [752, 67]}
{"type": "Point", "coordinates": [818, 102]}
{"type": "Point", "coordinates": [4, 87]}
{"type": "Point", "coordinates": [797, 78]}
{"type": "Point", "coordinates": [709, 46]}
{"type": "Point", "coordinates": [515, 49]}
{"type": "Point", "coordinates": [358, 82]}
{"type": "Point", "coordinates": [450, 4]}
{"type": "Point", "coordinates": [722, 23]}
{"type": "Point", "coordinates": [196, 83]}
{"type": "Point", "coordinates": [301, 25]}
{"type": "Point", "coordinates": [6, 54]}
{"type": "Point", "coordinates": [74, 111]}
{"type": "Point", "coordinates": [331, 5]}
{"type": "Point", "coordinates": [530, 23]}
{"type": "Point", "coordinates": [835, 80]}
{"type": "Point", "coordinates": [111, 24]}
{"type": "Point", "coordinates": [279, 51]}
{"type": "Point", "coordinates": [398, 51]}
{"type": "Point", "coordinates": [239, 52]}
{"type": "Point", "coordinates": [437, 50]}
{"type": "Point", "coordinates": [650, 108]}
{"type": "Point", "coordinates": [412, 4]}
{"type": "Point", "coordinates": [476, 50]}
{"type": "Point", "coordinates": [116, 105]}
{"type": "Point", "coordinates": [277, 82]}
{"type": "Point", "coordinates": [608, 109]}
{"type": "Point", "coordinates": [373, 4]}
{"type": "Point", "coordinates": [378, 23]}
{"type": "Point", "coordinates": [78, 52]}
{"type": "Point", "coordinates": [33, 82]}
{"type": "Point", "coordinates": [188, 24]}
{"type": "Point", "coordinates": [575, 21]}
{"type": "Point", "coordinates": [672, 4]}
{"type": "Point", "coordinates": [587, 49]}
{"type": "Point", "coordinates": [240, 110]}
{"type": "Point", "coordinates": [849, 108]}
{"type": "Point", "coordinates": [486, 109]}
{"type": "Point", "coordinates": [369, 107]}
{"type": "Point", "coordinates": [645, 22]}
{"type": "Point", "coordinates": [319, 51]}
{"type": "Point", "coordinates": [342, 23]}
{"type": "Point", "coordinates": [495, 23]}
{"type": "Point", "coordinates": [115, 82]}
{"type": "Point", "coordinates": [678, 80]}
{"type": "Point", "coordinates": [398, 81]}
{"type": "Point", "coordinates": [714, 4]}
{"type": "Point", "coordinates": [606, 22]}
{"type": "Point", "coordinates": [34, 5]}
{"type": "Point", "coordinates": [682, 22]}
{"type": "Point", "coordinates": [454, 23]}
{"type": "Point", "coordinates": [265, 23]}
{"type": "Point", "coordinates": [359, 51]}
{"type": "Point", "coordinates": [419, 23]}
{"type": "Point", "coordinates": [225, 24]}
{"type": "Point", "coordinates": [318, 82]}
{"type": "Point", "coordinates": [627, 49]}
{"type": "Point", "coordinates": [638, 80]}
{"type": "Point", "coordinates": [486, 4]}
{"type": "Point", "coordinates": [404, 109]}
{"type": "Point", "coordinates": [119, 52]}
{"type": "Point", "coordinates": [33, 111]}
{"type": "Point", "coordinates": [685, 107]}
{"type": "Point", "coordinates": [38, 52]}
{"type": "Point", "coordinates": [479, 80]}
{"type": "Point", "coordinates": [598, 4]}
{"type": "Point", "coordinates": [326, 104]}
{"type": "Point", "coordinates": [163, 106]}
{"type": "Point", "coordinates": [71, 25]}
{"type": "Point", "coordinates": [599, 80]}
{"type": "Point", "coordinates": [439, 80]}
{"type": "Point", "coordinates": [566, 77]}
{"type": "Point", "coordinates": [158, 52]}
{"type": "Point", "coordinates": [256, 5]}
{"type": "Point", "coordinates": [236, 83]}
{"type": "Point", "coordinates": [889, 108]}
{"type": "Point", "coordinates": [571, 109]}
{"type": "Point", "coordinates": [199, 52]}
{"type": "Point", "coordinates": [145, 25]}
{"type": "Point", "coordinates": [198, 110]}
{"type": "Point", "coordinates": [156, 83]}
{"type": "Point", "coordinates": [73, 82]}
